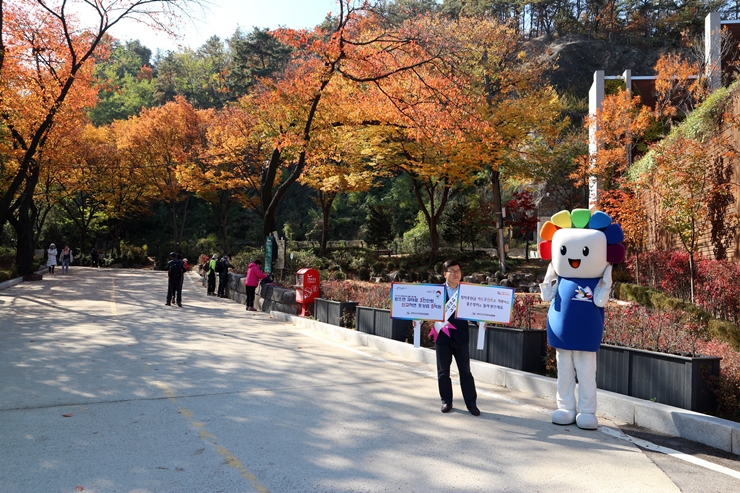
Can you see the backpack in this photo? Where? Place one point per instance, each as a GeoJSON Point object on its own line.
{"type": "Point", "coordinates": [220, 265]}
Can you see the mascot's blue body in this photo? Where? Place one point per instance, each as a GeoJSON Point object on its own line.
{"type": "Point", "coordinates": [574, 322]}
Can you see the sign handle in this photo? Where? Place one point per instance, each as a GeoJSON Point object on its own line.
{"type": "Point", "coordinates": [481, 334]}
{"type": "Point", "coordinates": [417, 333]}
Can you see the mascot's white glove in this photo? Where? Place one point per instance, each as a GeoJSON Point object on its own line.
{"type": "Point", "coordinates": [549, 288]}
{"type": "Point", "coordinates": [604, 288]}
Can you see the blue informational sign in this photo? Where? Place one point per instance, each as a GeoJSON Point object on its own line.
{"type": "Point", "coordinates": [417, 301]}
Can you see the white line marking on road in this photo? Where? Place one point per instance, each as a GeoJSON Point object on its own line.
{"type": "Point", "coordinates": [616, 433]}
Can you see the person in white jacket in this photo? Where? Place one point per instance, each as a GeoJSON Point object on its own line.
{"type": "Point", "coordinates": [52, 258]}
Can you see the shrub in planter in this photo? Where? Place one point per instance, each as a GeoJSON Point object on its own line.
{"type": "Point", "coordinates": [726, 386]}
{"type": "Point", "coordinates": [333, 312]}
{"type": "Point", "coordinates": [653, 353]}
{"type": "Point", "coordinates": [378, 321]}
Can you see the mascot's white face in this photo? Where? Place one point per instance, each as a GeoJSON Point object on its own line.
{"type": "Point", "coordinates": [579, 253]}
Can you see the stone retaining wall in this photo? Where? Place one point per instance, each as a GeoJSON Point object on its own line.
{"type": "Point", "coordinates": [268, 298]}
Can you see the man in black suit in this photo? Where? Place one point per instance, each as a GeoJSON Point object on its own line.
{"type": "Point", "coordinates": [456, 344]}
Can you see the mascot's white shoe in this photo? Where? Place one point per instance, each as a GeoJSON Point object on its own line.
{"type": "Point", "coordinates": [564, 417]}
{"type": "Point", "coordinates": [587, 421]}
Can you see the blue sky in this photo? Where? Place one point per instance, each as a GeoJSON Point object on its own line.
{"type": "Point", "coordinates": [222, 17]}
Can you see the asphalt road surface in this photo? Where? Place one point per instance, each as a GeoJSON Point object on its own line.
{"type": "Point", "coordinates": [104, 389]}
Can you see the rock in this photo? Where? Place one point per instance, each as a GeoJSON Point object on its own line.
{"type": "Point", "coordinates": [505, 283]}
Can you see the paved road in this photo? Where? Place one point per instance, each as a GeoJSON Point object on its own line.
{"type": "Point", "coordinates": [104, 388]}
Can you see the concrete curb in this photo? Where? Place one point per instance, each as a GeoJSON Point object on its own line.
{"type": "Point", "coordinates": [10, 283]}
{"type": "Point", "coordinates": [17, 280]}
{"type": "Point", "coordinates": [715, 432]}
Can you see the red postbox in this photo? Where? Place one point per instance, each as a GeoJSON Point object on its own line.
{"type": "Point", "coordinates": [306, 288]}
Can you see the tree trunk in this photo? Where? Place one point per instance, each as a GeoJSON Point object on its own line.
{"type": "Point", "coordinates": [221, 211]}
{"type": "Point", "coordinates": [325, 200]}
{"type": "Point", "coordinates": [178, 231]}
{"type": "Point", "coordinates": [24, 225]}
{"type": "Point", "coordinates": [433, 213]}
{"type": "Point", "coordinates": [691, 274]}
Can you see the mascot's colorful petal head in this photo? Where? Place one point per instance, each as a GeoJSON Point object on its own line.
{"type": "Point", "coordinates": [582, 219]}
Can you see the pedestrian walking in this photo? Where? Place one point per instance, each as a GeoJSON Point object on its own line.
{"type": "Point", "coordinates": [66, 257]}
{"type": "Point", "coordinates": [94, 258]}
{"type": "Point", "coordinates": [175, 271]}
{"type": "Point", "coordinates": [254, 275]}
{"type": "Point", "coordinates": [51, 260]}
{"type": "Point", "coordinates": [211, 273]}
{"type": "Point", "coordinates": [222, 268]}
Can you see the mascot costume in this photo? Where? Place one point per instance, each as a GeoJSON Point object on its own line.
{"type": "Point", "coordinates": [581, 248]}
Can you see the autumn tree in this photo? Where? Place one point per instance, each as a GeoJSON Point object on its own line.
{"type": "Point", "coordinates": [212, 175]}
{"type": "Point", "coordinates": [115, 178]}
{"type": "Point", "coordinates": [685, 187]}
{"type": "Point", "coordinates": [290, 108]}
{"type": "Point", "coordinates": [46, 72]}
{"type": "Point", "coordinates": [162, 141]}
{"type": "Point", "coordinates": [334, 169]}
{"type": "Point", "coordinates": [680, 87]}
{"type": "Point", "coordinates": [620, 123]}
{"type": "Point", "coordinates": [521, 215]}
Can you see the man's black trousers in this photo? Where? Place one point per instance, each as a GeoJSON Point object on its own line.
{"type": "Point", "coordinates": [174, 288]}
{"type": "Point", "coordinates": [445, 352]}
{"type": "Point", "coordinates": [223, 280]}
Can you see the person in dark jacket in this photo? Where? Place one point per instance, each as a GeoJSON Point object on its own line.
{"type": "Point", "coordinates": [452, 340]}
{"type": "Point", "coordinates": [175, 270]}
{"type": "Point", "coordinates": [223, 274]}
{"type": "Point", "coordinates": [178, 289]}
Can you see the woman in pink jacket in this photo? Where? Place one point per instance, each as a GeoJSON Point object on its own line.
{"type": "Point", "coordinates": [254, 275]}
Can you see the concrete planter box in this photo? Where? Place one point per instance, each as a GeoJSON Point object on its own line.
{"type": "Point", "coordinates": [678, 381]}
{"type": "Point", "coordinates": [519, 349]}
{"type": "Point", "coordinates": [333, 312]}
{"type": "Point", "coordinates": [377, 321]}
